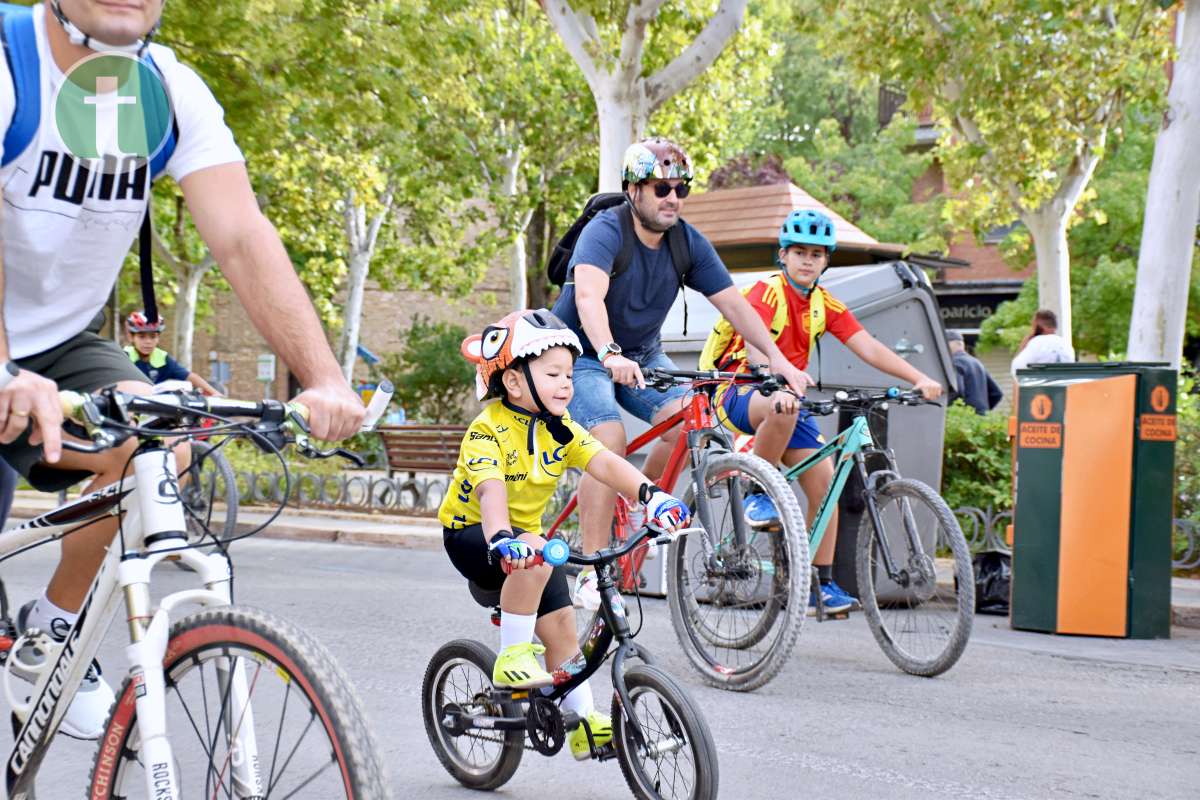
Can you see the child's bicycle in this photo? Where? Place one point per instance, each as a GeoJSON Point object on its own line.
{"type": "Point", "coordinates": [915, 578]}
{"type": "Point", "coordinates": [737, 595]}
{"type": "Point", "coordinates": [479, 732]}
{"type": "Point", "coordinates": [229, 701]}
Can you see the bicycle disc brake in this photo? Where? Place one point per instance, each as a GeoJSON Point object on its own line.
{"type": "Point", "coordinates": [544, 724]}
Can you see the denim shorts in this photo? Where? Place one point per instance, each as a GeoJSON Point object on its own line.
{"type": "Point", "coordinates": [597, 399]}
{"type": "Point", "coordinates": [736, 405]}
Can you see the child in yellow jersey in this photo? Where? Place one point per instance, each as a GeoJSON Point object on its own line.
{"type": "Point", "coordinates": [511, 458]}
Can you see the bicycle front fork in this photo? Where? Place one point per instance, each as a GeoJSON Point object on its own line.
{"type": "Point", "coordinates": [149, 633]}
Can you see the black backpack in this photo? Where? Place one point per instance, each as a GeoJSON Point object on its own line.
{"type": "Point", "coordinates": [560, 259]}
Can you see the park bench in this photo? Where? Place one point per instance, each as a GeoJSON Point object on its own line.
{"type": "Point", "coordinates": [421, 448]}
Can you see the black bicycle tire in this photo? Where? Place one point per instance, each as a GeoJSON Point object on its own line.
{"type": "Point", "coordinates": [798, 568]}
{"type": "Point", "coordinates": [309, 665]}
{"type": "Point", "coordinates": [645, 677]}
{"type": "Point", "coordinates": [482, 657]}
{"type": "Point", "coordinates": [964, 580]}
{"type": "Point", "coordinates": [201, 452]}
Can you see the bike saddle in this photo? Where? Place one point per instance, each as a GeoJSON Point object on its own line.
{"type": "Point", "coordinates": [488, 598]}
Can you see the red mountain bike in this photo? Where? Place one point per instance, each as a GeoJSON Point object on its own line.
{"type": "Point", "coordinates": [737, 593]}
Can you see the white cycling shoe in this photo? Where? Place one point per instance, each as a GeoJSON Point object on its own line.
{"type": "Point", "coordinates": [89, 708]}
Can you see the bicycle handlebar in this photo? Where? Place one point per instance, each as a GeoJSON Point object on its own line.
{"type": "Point", "coordinates": [105, 416]}
{"type": "Point", "coordinates": [557, 551]}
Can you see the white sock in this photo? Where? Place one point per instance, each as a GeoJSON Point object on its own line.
{"type": "Point", "coordinates": [516, 628]}
{"type": "Point", "coordinates": [50, 618]}
{"type": "Point", "coordinates": [579, 700]}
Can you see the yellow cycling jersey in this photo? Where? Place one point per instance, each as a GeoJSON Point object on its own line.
{"type": "Point", "coordinates": [496, 447]}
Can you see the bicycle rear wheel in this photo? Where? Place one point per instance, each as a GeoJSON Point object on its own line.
{"type": "Point", "coordinates": [459, 678]}
{"type": "Point", "coordinates": [922, 613]}
{"type": "Point", "coordinates": [238, 675]}
{"type": "Point", "coordinates": [738, 611]}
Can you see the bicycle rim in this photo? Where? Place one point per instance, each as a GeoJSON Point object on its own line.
{"type": "Point", "coordinates": [922, 613]}
{"type": "Point", "coordinates": [255, 709]}
{"type": "Point", "coordinates": [739, 612]}
{"type": "Point", "coordinates": [677, 759]}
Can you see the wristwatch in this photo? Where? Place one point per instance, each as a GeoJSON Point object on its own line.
{"type": "Point", "coordinates": [610, 349]}
{"type": "Point", "coordinates": [8, 372]}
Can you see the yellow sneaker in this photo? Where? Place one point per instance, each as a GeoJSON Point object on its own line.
{"type": "Point", "coordinates": [517, 667]}
{"type": "Point", "coordinates": [601, 725]}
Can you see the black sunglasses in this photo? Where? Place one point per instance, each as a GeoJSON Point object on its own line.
{"type": "Point", "coordinates": [663, 189]}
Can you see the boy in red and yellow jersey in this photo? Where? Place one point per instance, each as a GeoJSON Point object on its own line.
{"type": "Point", "coordinates": [798, 311]}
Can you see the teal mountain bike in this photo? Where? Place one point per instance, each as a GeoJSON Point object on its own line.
{"type": "Point", "coordinates": [913, 565]}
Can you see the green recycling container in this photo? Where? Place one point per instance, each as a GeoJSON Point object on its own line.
{"type": "Point", "coordinates": [1094, 496]}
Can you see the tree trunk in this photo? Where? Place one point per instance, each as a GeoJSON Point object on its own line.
{"type": "Point", "coordinates": [535, 248]}
{"type": "Point", "coordinates": [516, 258]}
{"type": "Point", "coordinates": [185, 310]}
{"type": "Point", "coordinates": [622, 122]}
{"type": "Point", "coordinates": [360, 239]}
{"type": "Point", "coordinates": [1160, 299]}
{"type": "Point", "coordinates": [624, 98]}
{"type": "Point", "coordinates": [1048, 227]}
{"type": "Point", "coordinates": [360, 265]}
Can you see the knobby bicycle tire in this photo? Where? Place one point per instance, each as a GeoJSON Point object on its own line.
{"type": "Point", "coordinates": [273, 653]}
{"type": "Point", "coordinates": [732, 659]}
{"type": "Point", "coordinates": [898, 614]}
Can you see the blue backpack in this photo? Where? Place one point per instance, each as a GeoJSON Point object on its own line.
{"type": "Point", "coordinates": [20, 50]}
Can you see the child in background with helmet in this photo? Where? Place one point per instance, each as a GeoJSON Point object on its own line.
{"type": "Point", "coordinates": [511, 459]}
{"type": "Point", "coordinates": [152, 360]}
{"type": "Point", "coordinates": [798, 311]}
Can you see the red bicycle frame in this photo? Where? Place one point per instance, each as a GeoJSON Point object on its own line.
{"type": "Point", "coordinates": [696, 414]}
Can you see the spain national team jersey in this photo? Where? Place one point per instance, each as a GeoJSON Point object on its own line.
{"type": "Point", "coordinates": [496, 447]}
{"type": "Point", "coordinates": [793, 340]}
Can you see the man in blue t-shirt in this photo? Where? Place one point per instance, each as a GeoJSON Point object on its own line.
{"type": "Point", "coordinates": [619, 321]}
{"type": "Point", "coordinates": [152, 360]}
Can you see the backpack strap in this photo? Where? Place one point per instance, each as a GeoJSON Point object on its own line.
{"type": "Point", "coordinates": [157, 108]}
{"type": "Point", "coordinates": [625, 256]}
{"type": "Point", "coordinates": [681, 259]}
{"type": "Point", "coordinates": [20, 50]}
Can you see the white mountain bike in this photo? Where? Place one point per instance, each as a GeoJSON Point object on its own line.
{"type": "Point", "coordinates": [227, 701]}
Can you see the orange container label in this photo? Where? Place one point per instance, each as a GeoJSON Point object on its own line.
{"type": "Point", "coordinates": [1040, 434]}
{"type": "Point", "coordinates": [1158, 427]}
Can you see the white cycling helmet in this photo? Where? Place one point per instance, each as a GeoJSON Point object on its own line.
{"type": "Point", "coordinates": [79, 37]}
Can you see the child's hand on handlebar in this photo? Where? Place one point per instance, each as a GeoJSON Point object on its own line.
{"type": "Point", "coordinates": [518, 552]}
{"type": "Point", "coordinates": [665, 511]}
{"type": "Point", "coordinates": [928, 388]}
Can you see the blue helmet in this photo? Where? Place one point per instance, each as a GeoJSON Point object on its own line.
{"type": "Point", "coordinates": [808, 227]}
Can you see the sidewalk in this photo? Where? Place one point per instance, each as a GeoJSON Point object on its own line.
{"type": "Point", "coordinates": [425, 533]}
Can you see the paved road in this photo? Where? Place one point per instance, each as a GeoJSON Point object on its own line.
{"type": "Point", "coordinates": [1021, 716]}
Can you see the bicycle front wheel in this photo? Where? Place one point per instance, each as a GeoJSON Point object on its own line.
{"type": "Point", "coordinates": [255, 708]}
{"type": "Point", "coordinates": [677, 759]}
{"type": "Point", "coordinates": [738, 606]}
{"type": "Point", "coordinates": [922, 609]}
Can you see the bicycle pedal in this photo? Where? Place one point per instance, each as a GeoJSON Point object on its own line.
{"type": "Point", "coordinates": [604, 752]}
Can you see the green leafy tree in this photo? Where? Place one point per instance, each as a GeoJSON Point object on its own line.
{"type": "Point", "coordinates": [871, 183]}
{"type": "Point", "coordinates": [638, 56]}
{"type": "Point", "coordinates": [1030, 90]}
{"type": "Point", "coordinates": [433, 381]}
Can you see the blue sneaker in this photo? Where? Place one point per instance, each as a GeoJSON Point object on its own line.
{"type": "Point", "coordinates": [761, 511]}
{"type": "Point", "coordinates": [834, 603]}
{"type": "Point", "coordinates": [842, 595]}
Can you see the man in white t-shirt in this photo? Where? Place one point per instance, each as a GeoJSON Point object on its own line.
{"type": "Point", "coordinates": [64, 234]}
{"type": "Point", "coordinates": [1043, 345]}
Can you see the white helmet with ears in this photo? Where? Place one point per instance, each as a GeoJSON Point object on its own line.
{"type": "Point", "coordinates": [79, 37]}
